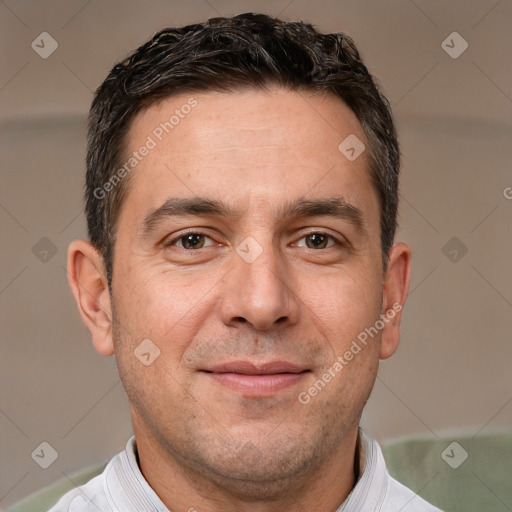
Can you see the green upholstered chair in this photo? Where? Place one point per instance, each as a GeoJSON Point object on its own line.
{"type": "Point", "coordinates": [45, 498]}
{"type": "Point", "coordinates": [457, 473]}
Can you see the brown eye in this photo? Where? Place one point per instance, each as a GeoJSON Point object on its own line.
{"type": "Point", "coordinates": [191, 241]}
{"type": "Point", "coordinates": [317, 241]}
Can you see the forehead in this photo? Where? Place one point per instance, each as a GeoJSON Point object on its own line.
{"type": "Point", "coordinates": [250, 147]}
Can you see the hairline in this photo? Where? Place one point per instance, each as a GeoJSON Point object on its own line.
{"type": "Point", "coordinates": [120, 193]}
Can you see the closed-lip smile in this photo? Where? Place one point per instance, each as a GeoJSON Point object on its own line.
{"type": "Point", "coordinates": [256, 379]}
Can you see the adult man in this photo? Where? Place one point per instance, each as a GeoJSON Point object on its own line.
{"type": "Point", "coordinates": [241, 195]}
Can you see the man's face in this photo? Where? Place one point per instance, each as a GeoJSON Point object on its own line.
{"type": "Point", "coordinates": [248, 307]}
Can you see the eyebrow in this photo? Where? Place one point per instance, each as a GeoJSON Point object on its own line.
{"type": "Point", "coordinates": [336, 207]}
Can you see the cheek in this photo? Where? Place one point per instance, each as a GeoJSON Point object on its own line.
{"type": "Point", "coordinates": [152, 309]}
{"type": "Point", "coordinates": [345, 303]}
{"type": "Point", "coordinates": [166, 308]}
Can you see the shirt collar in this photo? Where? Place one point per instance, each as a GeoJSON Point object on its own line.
{"type": "Point", "coordinates": [371, 487]}
{"type": "Point", "coordinates": [127, 489]}
{"type": "Point", "coordinates": [125, 486]}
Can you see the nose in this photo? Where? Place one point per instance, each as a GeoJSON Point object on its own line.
{"type": "Point", "coordinates": [259, 293]}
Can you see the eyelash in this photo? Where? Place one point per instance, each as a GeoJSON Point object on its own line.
{"type": "Point", "coordinates": [172, 242]}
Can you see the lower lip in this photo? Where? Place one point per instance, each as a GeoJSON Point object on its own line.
{"type": "Point", "coordinates": [257, 385]}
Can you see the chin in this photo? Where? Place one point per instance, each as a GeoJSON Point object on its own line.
{"type": "Point", "coordinates": [262, 473]}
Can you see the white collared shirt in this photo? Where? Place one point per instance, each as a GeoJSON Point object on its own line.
{"type": "Point", "coordinates": [122, 487]}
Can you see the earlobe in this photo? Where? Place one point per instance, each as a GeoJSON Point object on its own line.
{"type": "Point", "coordinates": [88, 282]}
{"type": "Point", "coordinates": [396, 288]}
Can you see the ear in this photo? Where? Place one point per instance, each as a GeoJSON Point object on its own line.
{"type": "Point", "coordinates": [396, 288]}
{"type": "Point", "coordinates": [88, 282]}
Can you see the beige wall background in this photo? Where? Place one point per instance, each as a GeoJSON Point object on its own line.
{"type": "Point", "coordinates": [453, 368]}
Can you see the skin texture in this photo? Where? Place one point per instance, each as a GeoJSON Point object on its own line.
{"type": "Point", "coordinates": [202, 444]}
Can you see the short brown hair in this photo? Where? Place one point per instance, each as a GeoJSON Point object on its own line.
{"type": "Point", "coordinates": [227, 54]}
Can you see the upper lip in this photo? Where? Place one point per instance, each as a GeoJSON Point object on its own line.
{"type": "Point", "coordinates": [248, 368]}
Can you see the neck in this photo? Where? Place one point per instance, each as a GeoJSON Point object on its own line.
{"type": "Point", "coordinates": [183, 488]}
